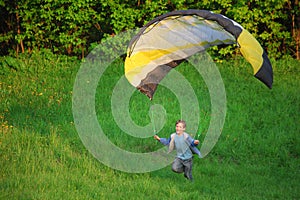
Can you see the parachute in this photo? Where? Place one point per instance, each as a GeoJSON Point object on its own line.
{"type": "Point", "coordinates": [166, 41]}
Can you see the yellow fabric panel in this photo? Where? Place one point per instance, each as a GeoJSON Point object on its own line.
{"type": "Point", "coordinates": [135, 64]}
{"type": "Point", "coordinates": [143, 58]}
{"type": "Point", "coordinates": [251, 50]}
{"type": "Point", "coordinates": [138, 64]}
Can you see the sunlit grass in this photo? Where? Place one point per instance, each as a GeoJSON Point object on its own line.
{"type": "Point", "coordinates": [42, 156]}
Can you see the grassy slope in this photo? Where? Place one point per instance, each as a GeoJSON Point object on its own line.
{"type": "Point", "coordinates": [42, 157]}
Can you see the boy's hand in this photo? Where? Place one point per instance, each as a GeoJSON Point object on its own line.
{"type": "Point", "coordinates": [156, 137]}
{"type": "Point", "coordinates": [196, 142]}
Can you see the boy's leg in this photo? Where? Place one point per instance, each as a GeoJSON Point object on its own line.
{"type": "Point", "coordinates": [188, 168]}
{"type": "Point", "coordinates": [177, 165]}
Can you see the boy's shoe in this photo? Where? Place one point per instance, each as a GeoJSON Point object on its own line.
{"type": "Point", "coordinates": [189, 178]}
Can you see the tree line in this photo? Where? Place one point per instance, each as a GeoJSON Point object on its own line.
{"type": "Point", "coordinates": [72, 27]}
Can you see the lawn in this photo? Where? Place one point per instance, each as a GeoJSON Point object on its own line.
{"type": "Point", "coordinates": [42, 155]}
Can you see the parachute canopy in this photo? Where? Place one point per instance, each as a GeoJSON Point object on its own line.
{"type": "Point", "coordinates": [166, 41]}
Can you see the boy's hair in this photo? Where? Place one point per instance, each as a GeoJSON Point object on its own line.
{"type": "Point", "coordinates": [181, 121]}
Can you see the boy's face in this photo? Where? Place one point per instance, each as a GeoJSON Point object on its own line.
{"type": "Point", "coordinates": [180, 128]}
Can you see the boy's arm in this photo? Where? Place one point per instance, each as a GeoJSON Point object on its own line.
{"type": "Point", "coordinates": [164, 141]}
{"type": "Point", "coordinates": [193, 142]}
{"type": "Point", "coordinates": [196, 142]}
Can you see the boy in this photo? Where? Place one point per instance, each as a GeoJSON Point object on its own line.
{"type": "Point", "coordinates": [185, 146]}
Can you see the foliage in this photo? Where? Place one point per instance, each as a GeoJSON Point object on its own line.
{"type": "Point", "coordinates": [266, 22]}
{"type": "Point", "coordinates": [71, 26]}
{"type": "Point", "coordinates": [62, 26]}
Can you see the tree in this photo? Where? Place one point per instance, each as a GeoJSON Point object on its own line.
{"type": "Point", "coordinates": [63, 26]}
{"type": "Point", "coordinates": [72, 26]}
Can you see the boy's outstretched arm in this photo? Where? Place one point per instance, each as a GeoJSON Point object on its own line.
{"type": "Point", "coordinates": [164, 141]}
{"type": "Point", "coordinates": [156, 137]}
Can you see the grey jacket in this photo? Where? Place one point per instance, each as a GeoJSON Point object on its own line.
{"type": "Point", "coordinates": [188, 139]}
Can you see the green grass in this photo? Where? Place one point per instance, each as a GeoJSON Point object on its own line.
{"type": "Point", "coordinates": [42, 156]}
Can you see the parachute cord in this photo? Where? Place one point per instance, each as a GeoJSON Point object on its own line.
{"type": "Point", "coordinates": [152, 121]}
{"type": "Point", "coordinates": [197, 136]}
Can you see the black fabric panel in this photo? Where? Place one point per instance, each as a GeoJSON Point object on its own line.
{"type": "Point", "coordinates": [265, 73]}
{"type": "Point", "coordinates": [149, 84]}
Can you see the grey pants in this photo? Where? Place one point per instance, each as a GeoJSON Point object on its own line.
{"type": "Point", "coordinates": [185, 166]}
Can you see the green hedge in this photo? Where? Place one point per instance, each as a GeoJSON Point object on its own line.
{"type": "Point", "coordinates": [72, 26]}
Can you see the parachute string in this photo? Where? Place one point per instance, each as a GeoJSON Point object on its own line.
{"type": "Point", "coordinates": [152, 121]}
